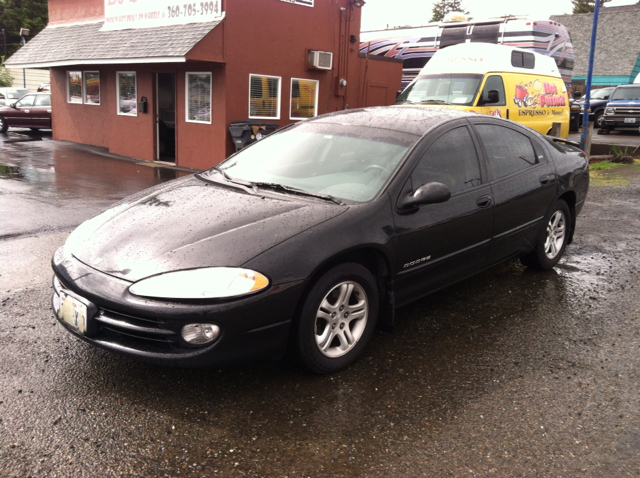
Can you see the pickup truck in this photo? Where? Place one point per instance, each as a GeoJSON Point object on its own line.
{"type": "Point", "coordinates": [623, 109]}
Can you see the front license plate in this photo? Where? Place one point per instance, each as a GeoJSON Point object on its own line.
{"type": "Point", "coordinates": [73, 312]}
{"type": "Point", "coordinates": [629, 120]}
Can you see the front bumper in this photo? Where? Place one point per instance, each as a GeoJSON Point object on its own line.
{"type": "Point", "coordinates": [623, 118]}
{"type": "Point", "coordinates": [255, 327]}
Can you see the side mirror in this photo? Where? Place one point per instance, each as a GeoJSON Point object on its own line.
{"type": "Point", "coordinates": [430, 193]}
{"type": "Point", "coordinates": [577, 95]}
{"type": "Point", "coordinates": [494, 96]}
{"type": "Point", "coordinates": [13, 105]}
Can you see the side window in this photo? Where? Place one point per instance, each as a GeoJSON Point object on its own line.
{"type": "Point", "coordinates": [508, 151]}
{"type": "Point", "coordinates": [494, 82]}
{"type": "Point", "coordinates": [43, 100]}
{"type": "Point", "coordinates": [451, 160]}
{"type": "Point", "coordinates": [26, 101]}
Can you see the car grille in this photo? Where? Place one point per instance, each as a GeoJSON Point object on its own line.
{"type": "Point", "coordinates": [110, 323]}
{"type": "Point", "coordinates": [626, 111]}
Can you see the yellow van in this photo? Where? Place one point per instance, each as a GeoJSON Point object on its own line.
{"type": "Point", "coordinates": [497, 80]}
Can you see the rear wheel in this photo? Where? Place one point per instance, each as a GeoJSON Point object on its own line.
{"type": "Point", "coordinates": [552, 243]}
{"type": "Point", "coordinates": [338, 318]}
{"type": "Point", "coordinates": [3, 124]}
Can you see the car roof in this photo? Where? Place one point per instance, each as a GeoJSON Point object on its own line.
{"type": "Point", "coordinates": [416, 120]}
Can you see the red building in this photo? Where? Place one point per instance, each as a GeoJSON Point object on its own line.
{"type": "Point", "coordinates": [155, 80]}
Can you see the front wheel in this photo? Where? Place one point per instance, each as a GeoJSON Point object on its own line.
{"type": "Point", "coordinates": [552, 243]}
{"type": "Point", "coordinates": [599, 119]}
{"type": "Point", "coordinates": [3, 124]}
{"type": "Point", "coordinates": [338, 318]}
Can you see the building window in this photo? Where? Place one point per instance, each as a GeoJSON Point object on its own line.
{"type": "Point", "coordinates": [264, 97]}
{"type": "Point", "coordinates": [92, 87]}
{"type": "Point", "coordinates": [127, 95]}
{"type": "Point", "coordinates": [74, 87]}
{"type": "Point", "coordinates": [199, 98]}
{"type": "Point", "coordinates": [304, 98]}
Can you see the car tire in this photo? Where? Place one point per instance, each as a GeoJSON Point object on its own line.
{"type": "Point", "coordinates": [553, 241]}
{"type": "Point", "coordinates": [3, 124]}
{"type": "Point", "coordinates": [337, 318]}
{"type": "Point", "coordinates": [598, 119]}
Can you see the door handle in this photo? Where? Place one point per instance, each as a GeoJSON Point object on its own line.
{"type": "Point", "coordinates": [484, 201]}
{"type": "Point", "coordinates": [547, 179]}
{"type": "Point", "coordinates": [26, 111]}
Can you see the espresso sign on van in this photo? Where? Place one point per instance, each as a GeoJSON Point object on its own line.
{"type": "Point", "coordinates": [497, 80]}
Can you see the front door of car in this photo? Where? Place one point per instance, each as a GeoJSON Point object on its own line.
{"type": "Point", "coordinates": [20, 114]}
{"type": "Point", "coordinates": [523, 185]}
{"type": "Point", "coordinates": [496, 105]}
{"type": "Point", "coordinates": [438, 244]}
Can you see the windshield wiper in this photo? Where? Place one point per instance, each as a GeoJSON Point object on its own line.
{"type": "Point", "coordinates": [433, 101]}
{"type": "Point", "coordinates": [247, 185]}
{"type": "Point", "coordinates": [301, 192]}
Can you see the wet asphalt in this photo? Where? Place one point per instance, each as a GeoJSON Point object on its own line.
{"type": "Point", "coordinates": [511, 373]}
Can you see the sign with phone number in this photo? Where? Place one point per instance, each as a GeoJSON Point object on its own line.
{"type": "Point", "coordinates": [127, 14]}
{"type": "Point", "coordinates": [306, 3]}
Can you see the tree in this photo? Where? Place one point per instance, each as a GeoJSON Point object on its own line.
{"type": "Point", "coordinates": [442, 7]}
{"type": "Point", "coordinates": [5, 78]}
{"type": "Point", "coordinates": [586, 6]}
{"type": "Point", "coordinates": [17, 14]}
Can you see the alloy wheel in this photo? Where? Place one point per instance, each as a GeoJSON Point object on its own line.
{"type": "Point", "coordinates": [556, 230]}
{"type": "Point", "coordinates": [341, 319]}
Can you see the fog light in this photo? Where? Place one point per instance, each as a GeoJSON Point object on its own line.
{"type": "Point", "coordinates": [200, 334]}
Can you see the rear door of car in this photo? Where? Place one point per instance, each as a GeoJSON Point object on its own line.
{"type": "Point", "coordinates": [438, 244]}
{"type": "Point", "coordinates": [41, 112]}
{"type": "Point", "coordinates": [523, 186]}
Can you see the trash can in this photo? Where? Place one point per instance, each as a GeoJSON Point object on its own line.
{"type": "Point", "coordinates": [245, 132]}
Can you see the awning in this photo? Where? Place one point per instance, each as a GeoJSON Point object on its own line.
{"type": "Point", "coordinates": [85, 44]}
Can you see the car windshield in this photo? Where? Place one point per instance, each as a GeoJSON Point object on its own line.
{"type": "Point", "coordinates": [600, 94]}
{"type": "Point", "coordinates": [331, 160]}
{"type": "Point", "coordinates": [442, 89]}
{"type": "Point", "coordinates": [626, 94]}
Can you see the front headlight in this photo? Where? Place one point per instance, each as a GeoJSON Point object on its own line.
{"type": "Point", "coordinates": [207, 283]}
{"type": "Point", "coordinates": [610, 111]}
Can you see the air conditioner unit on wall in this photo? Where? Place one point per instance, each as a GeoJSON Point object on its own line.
{"type": "Point", "coordinates": [322, 60]}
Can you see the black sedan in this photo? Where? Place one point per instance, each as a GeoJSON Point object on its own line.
{"type": "Point", "coordinates": [33, 111]}
{"type": "Point", "coordinates": [311, 237]}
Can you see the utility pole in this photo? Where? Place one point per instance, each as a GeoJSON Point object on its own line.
{"type": "Point", "coordinates": [592, 52]}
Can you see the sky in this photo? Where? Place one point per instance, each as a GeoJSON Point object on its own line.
{"type": "Point", "coordinates": [378, 14]}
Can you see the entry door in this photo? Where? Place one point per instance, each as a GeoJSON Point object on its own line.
{"type": "Point", "coordinates": [166, 116]}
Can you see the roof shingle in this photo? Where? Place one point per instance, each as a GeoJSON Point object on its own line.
{"type": "Point", "coordinates": [85, 44]}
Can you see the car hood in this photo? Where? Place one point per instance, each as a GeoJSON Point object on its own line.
{"type": "Point", "coordinates": [190, 223]}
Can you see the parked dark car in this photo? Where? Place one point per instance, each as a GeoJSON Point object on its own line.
{"type": "Point", "coordinates": [10, 95]}
{"type": "Point", "coordinates": [597, 103]}
{"type": "Point", "coordinates": [310, 237]}
{"type": "Point", "coordinates": [623, 110]}
{"type": "Point", "coordinates": [31, 111]}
